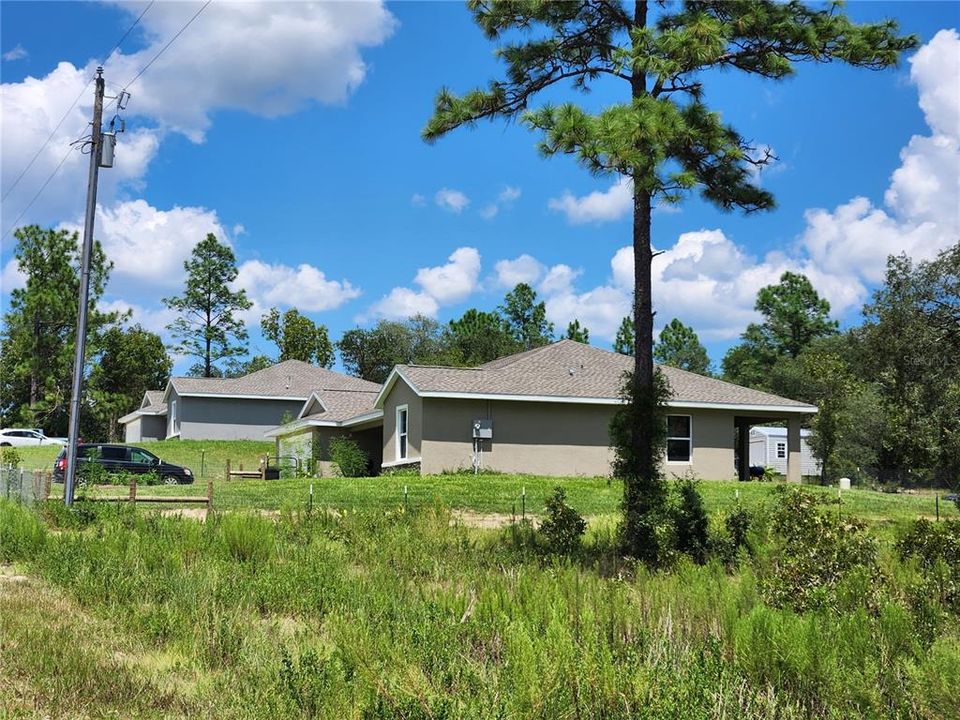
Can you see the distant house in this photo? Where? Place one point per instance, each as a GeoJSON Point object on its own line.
{"type": "Point", "coordinates": [545, 412]}
{"type": "Point", "coordinates": [149, 421]}
{"type": "Point", "coordinates": [241, 408]}
{"type": "Point", "coordinates": [768, 448]}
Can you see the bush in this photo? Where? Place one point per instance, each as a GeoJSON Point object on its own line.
{"type": "Point", "coordinates": [9, 456]}
{"type": "Point", "coordinates": [690, 521]}
{"type": "Point", "coordinates": [738, 525]}
{"type": "Point", "coordinates": [936, 548]}
{"type": "Point", "coordinates": [563, 526]}
{"type": "Point", "coordinates": [349, 460]}
{"type": "Point", "coordinates": [817, 558]}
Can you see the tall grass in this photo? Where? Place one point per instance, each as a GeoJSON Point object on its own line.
{"type": "Point", "coordinates": [390, 614]}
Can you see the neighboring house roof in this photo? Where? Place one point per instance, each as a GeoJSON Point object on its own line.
{"type": "Point", "coordinates": [569, 371]}
{"type": "Point", "coordinates": [152, 404]}
{"type": "Point", "coordinates": [288, 380]}
{"type": "Point", "coordinates": [334, 408]}
{"type": "Point", "coordinates": [776, 431]}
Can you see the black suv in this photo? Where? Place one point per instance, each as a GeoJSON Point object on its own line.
{"type": "Point", "coordinates": [125, 459]}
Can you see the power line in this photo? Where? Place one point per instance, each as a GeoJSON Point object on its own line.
{"type": "Point", "coordinates": [133, 80]}
{"type": "Point", "coordinates": [169, 43]}
{"type": "Point", "coordinates": [39, 192]}
{"type": "Point", "coordinates": [72, 106]}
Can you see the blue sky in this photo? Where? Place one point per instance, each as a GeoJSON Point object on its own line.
{"type": "Point", "coordinates": [292, 131]}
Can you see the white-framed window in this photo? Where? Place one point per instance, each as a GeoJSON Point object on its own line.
{"type": "Point", "coordinates": [679, 438]}
{"type": "Point", "coordinates": [401, 432]}
{"type": "Point", "coordinates": [174, 420]}
{"type": "Point", "coordinates": [781, 450]}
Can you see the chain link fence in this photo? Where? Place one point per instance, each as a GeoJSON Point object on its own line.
{"type": "Point", "coordinates": [24, 486]}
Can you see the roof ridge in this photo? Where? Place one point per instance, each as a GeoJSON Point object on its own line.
{"type": "Point", "coordinates": [517, 356]}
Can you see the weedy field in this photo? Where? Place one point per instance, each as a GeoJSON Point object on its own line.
{"type": "Point", "coordinates": [387, 612]}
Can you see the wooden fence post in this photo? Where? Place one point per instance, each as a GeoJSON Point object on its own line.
{"type": "Point", "coordinates": [210, 494]}
{"type": "Point", "coordinates": [263, 467]}
{"type": "Point", "coordinates": [228, 468]}
{"type": "Point", "coordinates": [133, 488]}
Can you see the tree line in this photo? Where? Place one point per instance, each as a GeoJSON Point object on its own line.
{"type": "Point", "coordinates": [888, 389]}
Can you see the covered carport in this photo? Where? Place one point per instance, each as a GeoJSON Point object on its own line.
{"type": "Point", "coordinates": [794, 421]}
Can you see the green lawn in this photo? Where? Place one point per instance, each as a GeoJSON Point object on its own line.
{"type": "Point", "coordinates": [210, 455]}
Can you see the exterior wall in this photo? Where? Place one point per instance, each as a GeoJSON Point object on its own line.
{"type": "Point", "coordinates": [551, 438]}
{"type": "Point", "coordinates": [146, 428]}
{"type": "Point", "coordinates": [401, 394]}
{"type": "Point", "coordinates": [712, 447]}
{"type": "Point", "coordinates": [298, 445]}
{"type": "Point", "coordinates": [132, 431]}
{"type": "Point", "coordinates": [206, 418]}
{"type": "Point", "coordinates": [301, 445]}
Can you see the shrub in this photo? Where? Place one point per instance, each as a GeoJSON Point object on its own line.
{"type": "Point", "coordinates": [563, 526]}
{"type": "Point", "coordinates": [816, 555]}
{"type": "Point", "coordinates": [9, 456]}
{"type": "Point", "coordinates": [936, 548]}
{"type": "Point", "coordinates": [690, 521]}
{"type": "Point", "coordinates": [349, 460]}
{"type": "Point", "coordinates": [738, 525]}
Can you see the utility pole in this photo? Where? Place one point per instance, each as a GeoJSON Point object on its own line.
{"type": "Point", "coordinates": [70, 473]}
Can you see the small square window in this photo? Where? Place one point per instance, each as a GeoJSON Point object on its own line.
{"type": "Point", "coordinates": [781, 450]}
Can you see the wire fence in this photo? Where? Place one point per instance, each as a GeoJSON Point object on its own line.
{"type": "Point", "coordinates": [24, 486]}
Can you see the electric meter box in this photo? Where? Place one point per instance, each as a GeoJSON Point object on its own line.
{"type": "Point", "coordinates": [483, 429]}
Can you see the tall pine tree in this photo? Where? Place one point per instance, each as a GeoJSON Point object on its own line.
{"type": "Point", "coordinates": [662, 137]}
{"type": "Point", "coordinates": [209, 327]}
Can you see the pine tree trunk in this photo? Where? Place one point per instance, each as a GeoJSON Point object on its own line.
{"type": "Point", "coordinates": [644, 492]}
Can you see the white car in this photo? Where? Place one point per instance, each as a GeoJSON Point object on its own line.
{"type": "Point", "coordinates": [20, 437]}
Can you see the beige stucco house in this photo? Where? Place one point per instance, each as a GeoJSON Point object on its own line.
{"type": "Point", "coordinates": [544, 412]}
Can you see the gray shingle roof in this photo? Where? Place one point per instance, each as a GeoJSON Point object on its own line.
{"type": "Point", "coordinates": [344, 404]}
{"type": "Point", "coordinates": [571, 369]}
{"type": "Point", "coordinates": [290, 378]}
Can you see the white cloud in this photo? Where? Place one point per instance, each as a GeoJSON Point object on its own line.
{"type": "Point", "coordinates": [708, 281]}
{"type": "Point", "coordinates": [402, 303]}
{"type": "Point", "coordinates": [17, 53]}
{"type": "Point", "coordinates": [149, 245]}
{"type": "Point", "coordinates": [452, 200]}
{"type": "Point", "coordinates": [453, 281]}
{"type": "Point", "coordinates": [523, 269]}
{"type": "Point", "coordinates": [29, 112]}
{"type": "Point", "coordinates": [559, 279]}
{"type": "Point", "coordinates": [11, 278]}
{"type": "Point", "coordinates": [597, 206]}
{"type": "Point", "coordinates": [441, 285]}
{"type": "Point", "coordinates": [304, 287]}
{"type": "Point", "coordinates": [154, 320]}
{"type": "Point", "coordinates": [508, 194]}
{"type": "Point", "coordinates": [922, 214]}
{"type": "Point", "coordinates": [253, 56]}
{"type": "Point", "coordinates": [418, 200]}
